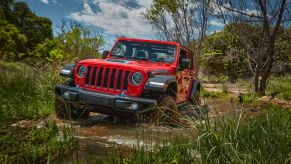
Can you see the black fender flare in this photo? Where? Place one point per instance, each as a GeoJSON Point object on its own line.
{"type": "Point", "coordinates": [195, 86]}
{"type": "Point", "coordinates": [159, 83]}
{"type": "Point", "coordinates": [68, 70]}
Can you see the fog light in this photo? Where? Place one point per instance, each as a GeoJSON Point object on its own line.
{"type": "Point", "coordinates": [134, 106]}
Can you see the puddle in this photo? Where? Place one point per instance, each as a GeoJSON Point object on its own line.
{"type": "Point", "coordinates": [103, 134]}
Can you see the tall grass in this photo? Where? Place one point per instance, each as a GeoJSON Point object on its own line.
{"type": "Point", "coordinates": [263, 139]}
{"type": "Point", "coordinates": [25, 93]}
{"type": "Point", "coordinates": [34, 145]}
{"type": "Point", "coordinates": [28, 94]}
{"type": "Point", "coordinates": [281, 86]}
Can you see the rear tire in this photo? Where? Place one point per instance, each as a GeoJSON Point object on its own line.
{"type": "Point", "coordinates": [195, 99]}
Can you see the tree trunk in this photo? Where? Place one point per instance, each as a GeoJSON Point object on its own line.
{"type": "Point", "coordinates": [257, 79]}
{"type": "Point", "coordinates": [267, 66]}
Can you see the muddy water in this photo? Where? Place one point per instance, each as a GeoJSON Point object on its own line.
{"type": "Point", "coordinates": [101, 134]}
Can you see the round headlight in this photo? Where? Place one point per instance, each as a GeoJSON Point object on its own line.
{"type": "Point", "coordinates": [136, 78]}
{"type": "Point", "coordinates": [82, 70]}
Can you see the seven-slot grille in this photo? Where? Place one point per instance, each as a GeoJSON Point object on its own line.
{"type": "Point", "coordinates": [107, 78]}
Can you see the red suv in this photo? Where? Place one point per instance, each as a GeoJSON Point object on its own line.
{"type": "Point", "coordinates": [135, 76]}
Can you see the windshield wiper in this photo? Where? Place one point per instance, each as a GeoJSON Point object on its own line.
{"type": "Point", "coordinates": [141, 58]}
{"type": "Point", "coordinates": [119, 56]}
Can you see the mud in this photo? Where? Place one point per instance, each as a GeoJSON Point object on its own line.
{"type": "Point", "coordinates": [100, 135]}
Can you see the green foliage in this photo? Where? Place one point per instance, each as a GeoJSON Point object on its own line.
{"type": "Point", "coordinates": [42, 50]}
{"type": "Point", "coordinates": [32, 144]}
{"type": "Point", "coordinates": [21, 30]}
{"type": "Point", "coordinates": [55, 54]}
{"type": "Point", "coordinates": [25, 93]}
{"type": "Point", "coordinates": [280, 87]}
{"type": "Point", "coordinates": [79, 43]}
{"type": "Point", "coordinates": [36, 28]}
{"type": "Point", "coordinates": [26, 35]}
{"type": "Point", "coordinates": [226, 52]}
{"type": "Point", "coordinates": [207, 94]}
{"type": "Point", "coordinates": [11, 41]}
{"type": "Point", "coordinates": [264, 139]}
{"type": "Point", "coordinates": [250, 98]}
{"type": "Point", "coordinates": [222, 53]}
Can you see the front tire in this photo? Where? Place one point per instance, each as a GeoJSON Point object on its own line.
{"type": "Point", "coordinates": [68, 110]}
{"type": "Point", "coordinates": [166, 111]}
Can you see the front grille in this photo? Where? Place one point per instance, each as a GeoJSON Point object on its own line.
{"type": "Point", "coordinates": [106, 78]}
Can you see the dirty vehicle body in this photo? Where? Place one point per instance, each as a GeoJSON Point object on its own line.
{"type": "Point", "coordinates": [136, 75]}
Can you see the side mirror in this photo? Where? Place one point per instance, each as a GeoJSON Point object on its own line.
{"type": "Point", "coordinates": [104, 54]}
{"type": "Point", "coordinates": [185, 63]}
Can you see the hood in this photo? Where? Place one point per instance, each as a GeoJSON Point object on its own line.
{"type": "Point", "coordinates": [130, 64]}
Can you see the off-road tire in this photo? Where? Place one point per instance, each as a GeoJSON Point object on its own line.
{"type": "Point", "coordinates": [165, 112]}
{"type": "Point", "coordinates": [195, 99]}
{"type": "Point", "coordinates": [68, 110]}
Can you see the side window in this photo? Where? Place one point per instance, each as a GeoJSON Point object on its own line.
{"type": "Point", "coordinates": [183, 55]}
{"type": "Point", "coordinates": [191, 56]}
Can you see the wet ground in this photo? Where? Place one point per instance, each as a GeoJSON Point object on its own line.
{"type": "Point", "coordinates": [100, 134]}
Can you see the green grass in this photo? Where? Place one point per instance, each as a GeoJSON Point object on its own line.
{"type": "Point", "coordinates": [262, 139]}
{"type": "Point", "coordinates": [34, 145]}
{"type": "Point", "coordinates": [24, 92]}
{"type": "Point", "coordinates": [281, 85]}
{"type": "Point", "coordinates": [221, 95]}
{"type": "Point", "coordinates": [250, 98]}
{"type": "Point", "coordinates": [28, 94]}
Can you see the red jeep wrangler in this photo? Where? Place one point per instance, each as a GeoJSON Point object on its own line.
{"type": "Point", "coordinates": [136, 75]}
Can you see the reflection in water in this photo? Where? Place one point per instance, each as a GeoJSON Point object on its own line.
{"type": "Point", "coordinates": [99, 134]}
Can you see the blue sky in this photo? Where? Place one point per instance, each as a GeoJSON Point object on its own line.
{"type": "Point", "coordinates": [111, 17]}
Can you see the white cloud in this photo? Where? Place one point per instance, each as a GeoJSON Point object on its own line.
{"type": "Point", "coordinates": [214, 22]}
{"type": "Point", "coordinates": [115, 18]}
{"type": "Point", "coordinates": [45, 1]}
{"type": "Point", "coordinates": [226, 9]}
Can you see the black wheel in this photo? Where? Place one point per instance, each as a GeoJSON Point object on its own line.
{"type": "Point", "coordinates": [166, 111]}
{"type": "Point", "coordinates": [67, 110]}
{"type": "Point", "coordinates": [195, 99]}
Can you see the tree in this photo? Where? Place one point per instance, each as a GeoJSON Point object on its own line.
{"type": "Point", "coordinates": [37, 29]}
{"type": "Point", "coordinates": [267, 15]}
{"type": "Point", "coordinates": [179, 20]}
{"type": "Point", "coordinates": [182, 21]}
{"type": "Point", "coordinates": [222, 54]}
{"type": "Point", "coordinates": [12, 41]}
{"type": "Point", "coordinates": [77, 42]}
{"type": "Point", "coordinates": [21, 30]}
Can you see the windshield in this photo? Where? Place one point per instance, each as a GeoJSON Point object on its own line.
{"type": "Point", "coordinates": [146, 51]}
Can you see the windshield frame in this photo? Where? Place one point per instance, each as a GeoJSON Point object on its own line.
{"type": "Point", "coordinates": [150, 42]}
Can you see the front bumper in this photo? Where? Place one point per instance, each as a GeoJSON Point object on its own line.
{"type": "Point", "coordinates": [103, 102]}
